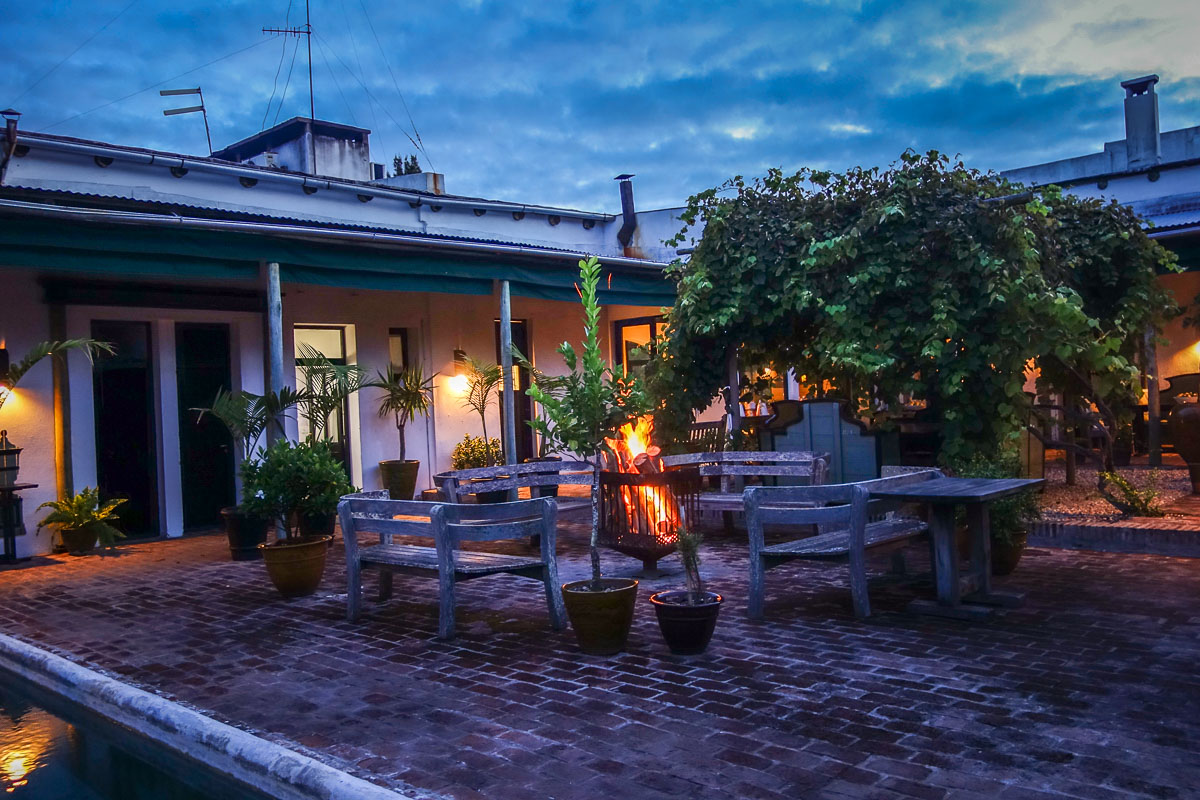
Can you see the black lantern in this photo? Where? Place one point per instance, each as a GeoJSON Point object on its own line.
{"type": "Point", "coordinates": [10, 461]}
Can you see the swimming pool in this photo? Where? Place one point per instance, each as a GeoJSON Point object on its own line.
{"type": "Point", "coordinates": [50, 751]}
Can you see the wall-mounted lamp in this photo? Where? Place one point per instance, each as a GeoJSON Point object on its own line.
{"type": "Point", "coordinates": [459, 383]}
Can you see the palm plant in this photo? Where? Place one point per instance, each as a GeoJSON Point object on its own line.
{"type": "Point", "coordinates": [84, 512]}
{"type": "Point", "coordinates": [407, 394]}
{"type": "Point", "coordinates": [550, 385]}
{"type": "Point", "coordinates": [247, 415]}
{"type": "Point", "coordinates": [483, 382]}
{"type": "Point", "coordinates": [13, 373]}
{"type": "Point", "coordinates": [326, 387]}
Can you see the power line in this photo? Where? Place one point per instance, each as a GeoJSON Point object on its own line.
{"type": "Point", "coordinates": [381, 105]}
{"type": "Point", "coordinates": [291, 68]}
{"type": "Point", "coordinates": [47, 73]}
{"type": "Point", "coordinates": [336, 82]}
{"type": "Point", "coordinates": [160, 83]}
{"type": "Point", "coordinates": [278, 68]}
{"type": "Point", "coordinates": [420, 145]}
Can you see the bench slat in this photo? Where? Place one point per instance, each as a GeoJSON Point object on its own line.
{"type": "Point", "coordinates": [836, 544]}
{"type": "Point", "coordinates": [466, 562]}
{"type": "Point", "coordinates": [783, 470]}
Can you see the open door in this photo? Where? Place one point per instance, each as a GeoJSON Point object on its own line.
{"type": "Point", "coordinates": [202, 363]}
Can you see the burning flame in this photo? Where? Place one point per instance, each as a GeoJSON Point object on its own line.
{"type": "Point", "coordinates": [649, 509]}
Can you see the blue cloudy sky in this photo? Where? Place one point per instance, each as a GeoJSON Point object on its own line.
{"type": "Point", "coordinates": [544, 102]}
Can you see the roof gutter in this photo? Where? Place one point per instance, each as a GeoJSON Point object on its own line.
{"type": "Point", "coordinates": [299, 179]}
{"type": "Point", "coordinates": [308, 233]}
{"type": "Point", "coordinates": [1187, 230]}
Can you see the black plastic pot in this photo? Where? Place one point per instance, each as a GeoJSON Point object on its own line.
{"type": "Point", "coordinates": [544, 491]}
{"type": "Point", "coordinates": [687, 629]}
{"type": "Point", "coordinates": [499, 496]}
{"type": "Point", "coordinates": [314, 525]}
{"type": "Point", "coordinates": [245, 533]}
{"type": "Point", "coordinates": [399, 478]}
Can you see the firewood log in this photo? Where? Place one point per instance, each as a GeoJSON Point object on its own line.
{"type": "Point", "coordinates": [646, 465]}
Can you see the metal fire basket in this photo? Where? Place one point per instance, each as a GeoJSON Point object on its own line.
{"type": "Point", "coordinates": [640, 515]}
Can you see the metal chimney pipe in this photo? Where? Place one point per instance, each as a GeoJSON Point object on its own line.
{"type": "Point", "coordinates": [628, 214]}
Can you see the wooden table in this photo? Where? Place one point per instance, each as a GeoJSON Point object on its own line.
{"type": "Point", "coordinates": [969, 596]}
{"type": "Point", "coordinates": [8, 501]}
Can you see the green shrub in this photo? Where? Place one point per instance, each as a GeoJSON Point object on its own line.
{"type": "Point", "coordinates": [1132, 501]}
{"type": "Point", "coordinates": [1012, 516]}
{"type": "Point", "coordinates": [289, 481]}
{"type": "Point", "coordinates": [84, 511]}
{"type": "Point", "coordinates": [474, 451]}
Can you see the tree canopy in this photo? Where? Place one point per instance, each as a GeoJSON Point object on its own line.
{"type": "Point", "coordinates": [927, 280]}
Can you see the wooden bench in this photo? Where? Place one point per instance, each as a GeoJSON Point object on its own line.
{"type": "Point", "coordinates": [851, 526]}
{"type": "Point", "coordinates": [729, 466]}
{"type": "Point", "coordinates": [449, 525]}
{"type": "Point", "coordinates": [458, 485]}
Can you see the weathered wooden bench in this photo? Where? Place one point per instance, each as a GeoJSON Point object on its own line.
{"type": "Point", "coordinates": [729, 466]}
{"type": "Point", "coordinates": [449, 525]}
{"type": "Point", "coordinates": [458, 485]}
{"type": "Point", "coordinates": [850, 524]}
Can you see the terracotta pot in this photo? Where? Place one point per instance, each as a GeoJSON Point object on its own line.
{"type": "Point", "coordinates": [1006, 554]}
{"type": "Point", "coordinates": [687, 629]}
{"type": "Point", "coordinates": [78, 541]}
{"type": "Point", "coordinates": [296, 565]}
{"type": "Point", "coordinates": [245, 533]}
{"type": "Point", "coordinates": [399, 478]}
{"type": "Point", "coordinates": [601, 619]}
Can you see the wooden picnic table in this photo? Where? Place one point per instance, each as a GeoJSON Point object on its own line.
{"type": "Point", "coordinates": [969, 596]}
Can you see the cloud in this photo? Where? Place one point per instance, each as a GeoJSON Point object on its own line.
{"type": "Point", "coordinates": [546, 102]}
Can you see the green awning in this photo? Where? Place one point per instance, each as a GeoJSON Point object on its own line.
{"type": "Point", "coordinates": [183, 253]}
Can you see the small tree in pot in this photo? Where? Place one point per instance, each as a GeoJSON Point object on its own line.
{"type": "Point", "coordinates": [688, 617]}
{"type": "Point", "coordinates": [407, 395]}
{"type": "Point", "coordinates": [247, 416]}
{"type": "Point", "coordinates": [288, 483]}
{"type": "Point", "coordinates": [590, 405]}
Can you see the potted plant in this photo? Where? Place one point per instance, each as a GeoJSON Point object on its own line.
{"type": "Point", "coordinates": [589, 406]}
{"type": "Point", "coordinates": [83, 521]}
{"type": "Point", "coordinates": [288, 483]}
{"type": "Point", "coordinates": [327, 385]}
{"type": "Point", "coordinates": [687, 617]}
{"type": "Point", "coordinates": [483, 387]}
{"type": "Point", "coordinates": [247, 416]}
{"type": "Point", "coordinates": [407, 394]}
{"type": "Point", "coordinates": [474, 452]}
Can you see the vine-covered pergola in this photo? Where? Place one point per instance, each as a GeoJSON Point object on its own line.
{"type": "Point", "coordinates": [928, 280]}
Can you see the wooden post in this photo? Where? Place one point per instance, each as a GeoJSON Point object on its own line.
{"type": "Point", "coordinates": [1069, 435]}
{"type": "Point", "coordinates": [1153, 402]}
{"type": "Point", "coordinates": [274, 337]}
{"type": "Point", "coordinates": [506, 380]}
{"type": "Point", "coordinates": [64, 479]}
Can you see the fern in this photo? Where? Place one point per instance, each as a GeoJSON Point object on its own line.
{"type": "Point", "coordinates": [85, 511]}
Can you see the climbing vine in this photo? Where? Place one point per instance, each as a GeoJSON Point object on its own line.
{"type": "Point", "coordinates": [927, 280]}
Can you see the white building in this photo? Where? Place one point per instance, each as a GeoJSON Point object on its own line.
{"type": "Point", "coordinates": [165, 255]}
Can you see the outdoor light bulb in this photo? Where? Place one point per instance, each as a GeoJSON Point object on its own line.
{"type": "Point", "coordinates": [459, 384]}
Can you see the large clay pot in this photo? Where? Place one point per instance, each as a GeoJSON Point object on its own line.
{"type": "Point", "coordinates": [245, 532]}
{"type": "Point", "coordinates": [687, 629]}
{"type": "Point", "coordinates": [79, 541]}
{"type": "Point", "coordinates": [399, 478]}
{"type": "Point", "coordinates": [1183, 426]}
{"type": "Point", "coordinates": [1006, 553]}
{"type": "Point", "coordinates": [296, 565]}
{"type": "Point", "coordinates": [601, 619]}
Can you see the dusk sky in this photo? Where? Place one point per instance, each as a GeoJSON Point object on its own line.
{"type": "Point", "coordinates": [544, 102]}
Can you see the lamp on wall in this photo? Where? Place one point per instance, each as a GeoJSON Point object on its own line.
{"type": "Point", "coordinates": [459, 383]}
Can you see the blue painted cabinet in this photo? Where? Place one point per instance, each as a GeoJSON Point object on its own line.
{"type": "Point", "coordinates": [824, 426]}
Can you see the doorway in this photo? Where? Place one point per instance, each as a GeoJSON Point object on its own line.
{"type": "Point", "coordinates": [329, 341]}
{"type": "Point", "coordinates": [522, 401]}
{"type": "Point", "coordinates": [202, 363]}
{"type": "Point", "coordinates": [126, 446]}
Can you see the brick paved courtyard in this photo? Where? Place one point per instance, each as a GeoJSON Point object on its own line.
{"type": "Point", "coordinates": [1091, 690]}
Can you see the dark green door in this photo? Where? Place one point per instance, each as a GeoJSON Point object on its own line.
{"type": "Point", "coordinates": [205, 448]}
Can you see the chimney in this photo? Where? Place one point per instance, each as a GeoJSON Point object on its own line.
{"type": "Point", "coordinates": [1142, 146]}
{"type": "Point", "coordinates": [628, 215]}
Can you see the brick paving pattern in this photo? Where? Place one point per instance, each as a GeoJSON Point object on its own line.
{"type": "Point", "coordinates": [1091, 690]}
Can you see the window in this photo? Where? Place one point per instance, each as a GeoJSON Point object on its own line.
{"type": "Point", "coordinates": [329, 341]}
{"type": "Point", "coordinates": [633, 342]}
{"type": "Point", "coordinates": [398, 348]}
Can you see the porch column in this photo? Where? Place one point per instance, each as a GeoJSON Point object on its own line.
{"type": "Point", "coordinates": [274, 336]}
{"type": "Point", "coordinates": [64, 478]}
{"type": "Point", "coordinates": [1153, 403]}
{"type": "Point", "coordinates": [506, 383]}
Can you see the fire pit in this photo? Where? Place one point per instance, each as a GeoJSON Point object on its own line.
{"type": "Point", "coordinates": [642, 507]}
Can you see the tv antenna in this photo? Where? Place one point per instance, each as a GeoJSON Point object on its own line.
{"type": "Point", "coordinates": [170, 112]}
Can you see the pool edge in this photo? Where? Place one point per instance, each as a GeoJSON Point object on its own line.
{"type": "Point", "coordinates": [271, 768]}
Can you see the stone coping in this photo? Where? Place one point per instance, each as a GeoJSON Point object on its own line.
{"type": "Point", "coordinates": [264, 765]}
